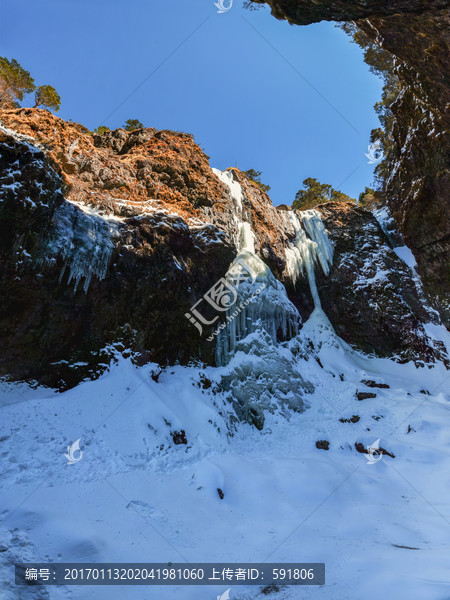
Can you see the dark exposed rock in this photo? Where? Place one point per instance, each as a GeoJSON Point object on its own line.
{"type": "Point", "coordinates": [370, 284]}
{"type": "Point", "coordinates": [179, 437]}
{"type": "Point", "coordinates": [159, 268]}
{"type": "Point", "coordinates": [365, 395]}
{"type": "Point", "coordinates": [272, 588]}
{"type": "Point", "coordinates": [353, 419]}
{"type": "Point", "coordinates": [221, 494]}
{"type": "Point", "coordinates": [363, 450]}
{"type": "Point", "coordinates": [106, 244]}
{"type": "Point", "coordinates": [323, 445]}
{"type": "Point", "coordinates": [373, 384]}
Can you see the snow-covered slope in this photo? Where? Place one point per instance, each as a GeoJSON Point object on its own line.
{"type": "Point", "coordinates": [137, 496]}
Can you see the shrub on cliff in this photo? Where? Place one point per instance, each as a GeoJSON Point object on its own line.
{"type": "Point", "coordinates": [133, 124]}
{"type": "Point", "coordinates": [370, 199]}
{"type": "Point", "coordinates": [255, 177]}
{"type": "Point", "coordinates": [46, 96]}
{"type": "Point", "coordinates": [101, 129]}
{"type": "Point", "coordinates": [315, 193]}
{"type": "Point", "coordinates": [15, 82]}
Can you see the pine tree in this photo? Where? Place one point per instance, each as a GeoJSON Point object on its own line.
{"type": "Point", "coordinates": [132, 124]}
{"type": "Point", "coordinates": [315, 193]}
{"type": "Point", "coordinates": [46, 96]}
{"type": "Point", "coordinates": [15, 82]}
{"type": "Point", "coordinates": [255, 177]}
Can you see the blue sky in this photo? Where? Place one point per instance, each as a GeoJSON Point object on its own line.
{"type": "Point", "coordinates": [292, 102]}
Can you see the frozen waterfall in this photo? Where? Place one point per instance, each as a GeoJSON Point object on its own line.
{"type": "Point", "coordinates": [246, 241]}
{"type": "Point", "coordinates": [234, 186]}
{"type": "Point", "coordinates": [261, 300]}
{"type": "Point", "coordinates": [304, 252]}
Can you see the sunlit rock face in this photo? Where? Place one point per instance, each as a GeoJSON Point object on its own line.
{"type": "Point", "coordinates": [417, 33]}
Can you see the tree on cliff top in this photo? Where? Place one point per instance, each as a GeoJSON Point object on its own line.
{"type": "Point", "coordinates": [370, 199]}
{"type": "Point", "coordinates": [315, 193]}
{"type": "Point", "coordinates": [15, 82]}
{"type": "Point", "coordinates": [133, 124]}
{"type": "Point", "coordinates": [47, 96]}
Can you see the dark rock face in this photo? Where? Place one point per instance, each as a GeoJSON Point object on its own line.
{"type": "Point", "coordinates": [369, 283]}
{"type": "Point", "coordinates": [417, 33]}
{"type": "Point", "coordinates": [304, 12]}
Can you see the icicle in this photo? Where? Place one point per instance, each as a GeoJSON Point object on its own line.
{"type": "Point", "coordinates": [304, 252]}
{"type": "Point", "coordinates": [84, 241]}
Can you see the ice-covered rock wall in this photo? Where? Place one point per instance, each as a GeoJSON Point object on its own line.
{"type": "Point", "coordinates": [309, 247]}
{"type": "Point", "coordinates": [84, 240]}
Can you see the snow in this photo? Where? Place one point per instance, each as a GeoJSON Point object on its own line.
{"type": "Point", "coordinates": [31, 143]}
{"type": "Point", "coordinates": [381, 529]}
{"type": "Point", "coordinates": [405, 254]}
{"type": "Point", "coordinates": [261, 303]}
{"type": "Point", "coordinates": [135, 496]}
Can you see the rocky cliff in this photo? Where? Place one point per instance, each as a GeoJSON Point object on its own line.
{"type": "Point", "coordinates": [416, 32]}
{"type": "Point", "coordinates": [108, 241]}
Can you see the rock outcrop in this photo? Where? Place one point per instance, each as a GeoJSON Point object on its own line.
{"type": "Point", "coordinates": [106, 242]}
{"type": "Point", "coordinates": [416, 32]}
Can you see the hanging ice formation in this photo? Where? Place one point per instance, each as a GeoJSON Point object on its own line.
{"type": "Point", "coordinates": [83, 239]}
{"type": "Point", "coordinates": [304, 252]}
{"type": "Point", "coordinates": [261, 300]}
